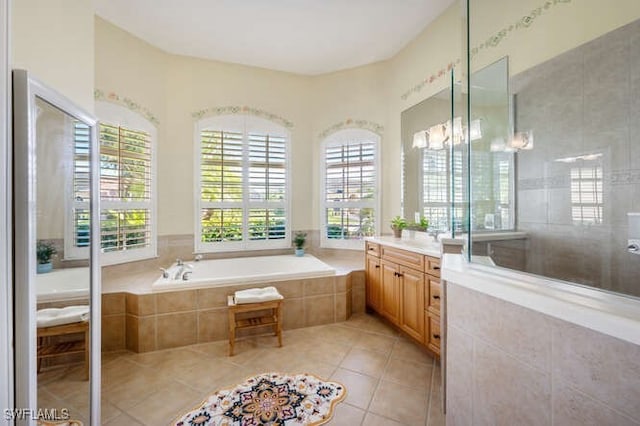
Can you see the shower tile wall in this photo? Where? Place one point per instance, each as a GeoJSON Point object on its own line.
{"type": "Point", "coordinates": [584, 102]}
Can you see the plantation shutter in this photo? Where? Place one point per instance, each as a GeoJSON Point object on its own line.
{"type": "Point", "coordinates": [125, 188]}
{"type": "Point", "coordinates": [81, 184]}
{"type": "Point", "coordinates": [350, 189]}
{"type": "Point", "coordinates": [243, 188]}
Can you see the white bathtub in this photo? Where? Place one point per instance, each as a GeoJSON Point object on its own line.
{"type": "Point", "coordinates": [245, 270]}
{"type": "Point", "coordinates": [63, 284]}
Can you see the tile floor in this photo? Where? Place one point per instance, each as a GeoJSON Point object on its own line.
{"type": "Point", "coordinates": [389, 379]}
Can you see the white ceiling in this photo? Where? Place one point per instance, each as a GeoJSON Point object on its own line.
{"type": "Point", "coordinates": [300, 36]}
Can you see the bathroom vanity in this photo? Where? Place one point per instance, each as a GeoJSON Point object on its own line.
{"type": "Point", "coordinates": [403, 285]}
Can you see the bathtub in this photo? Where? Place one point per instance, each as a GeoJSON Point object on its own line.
{"type": "Point", "coordinates": [245, 270]}
{"type": "Point", "coordinates": [63, 284]}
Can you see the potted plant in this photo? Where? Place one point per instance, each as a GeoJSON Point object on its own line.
{"type": "Point", "coordinates": [398, 224]}
{"type": "Point", "coordinates": [299, 241]}
{"type": "Point", "coordinates": [44, 251]}
{"type": "Point", "coordinates": [422, 226]}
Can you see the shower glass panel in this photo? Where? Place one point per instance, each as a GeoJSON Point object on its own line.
{"type": "Point", "coordinates": [560, 181]}
{"type": "Point", "coordinates": [57, 278]}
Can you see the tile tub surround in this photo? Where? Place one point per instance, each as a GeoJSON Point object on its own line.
{"type": "Point", "coordinates": [153, 321]}
{"type": "Point", "coordinates": [508, 363]}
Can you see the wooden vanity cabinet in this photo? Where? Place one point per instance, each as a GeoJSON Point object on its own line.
{"type": "Point", "coordinates": [373, 280]}
{"type": "Point", "coordinates": [404, 287]}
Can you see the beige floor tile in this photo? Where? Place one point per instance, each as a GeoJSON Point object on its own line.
{"type": "Point", "coordinates": [408, 350]}
{"type": "Point", "coordinates": [136, 388]}
{"type": "Point", "coordinates": [338, 333]}
{"type": "Point", "coordinates": [375, 420]}
{"type": "Point", "coordinates": [108, 411]}
{"type": "Point", "coordinates": [154, 388]}
{"type": "Point", "coordinates": [400, 403]}
{"type": "Point", "coordinates": [123, 420]}
{"type": "Point", "coordinates": [360, 387]}
{"type": "Point", "coordinates": [409, 373]}
{"type": "Point", "coordinates": [364, 361]}
{"type": "Point", "coordinates": [347, 415]}
{"type": "Point", "coordinates": [377, 325]}
{"type": "Point", "coordinates": [324, 352]}
{"type": "Point", "coordinates": [119, 371]}
{"type": "Point", "coordinates": [164, 405]}
{"type": "Point", "coordinates": [358, 320]}
{"type": "Point", "coordinates": [375, 342]}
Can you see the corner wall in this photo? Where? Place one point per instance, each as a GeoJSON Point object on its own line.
{"type": "Point", "coordinates": [507, 364]}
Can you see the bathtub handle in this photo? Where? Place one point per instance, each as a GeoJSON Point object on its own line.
{"type": "Point", "coordinates": [186, 275]}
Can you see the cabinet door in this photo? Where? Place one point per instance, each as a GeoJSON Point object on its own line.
{"type": "Point", "coordinates": [412, 302]}
{"type": "Point", "coordinates": [373, 283]}
{"type": "Point", "coordinates": [390, 291]}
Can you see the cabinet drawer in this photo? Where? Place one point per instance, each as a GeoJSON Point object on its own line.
{"type": "Point", "coordinates": [373, 249]}
{"type": "Point", "coordinates": [403, 257]}
{"type": "Point", "coordinates": [434, 333]}
{"type": "Point", "coordinates": [434, 296]}
{"type": "Point", "coordinates": [432, 266]}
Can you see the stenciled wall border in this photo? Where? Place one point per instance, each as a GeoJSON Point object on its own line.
{"type": "Point", "coordinates": [100, 95]}
{"type": "Point", "coordinates": [350, 123]}
{"type": "Point", "coordinates": [491, 42]}
{"type": "Point", "coordinates": [224, 110]}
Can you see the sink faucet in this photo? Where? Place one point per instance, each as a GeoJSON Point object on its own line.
{"type": "Point", "coordinates": [434, 233]}
{"type": "Point", "coordinates": [182, 271]}
{"type": "Point", "coordinates": [179, 262]}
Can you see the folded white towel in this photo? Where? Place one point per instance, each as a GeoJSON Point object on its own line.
{"type": "Point", "coordinates": [257, 295]}
{"type": "Point", "coordinates": [60, 316]}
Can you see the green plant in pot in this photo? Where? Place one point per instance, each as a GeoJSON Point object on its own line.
{"type": "Point", "coordinates": [44, 252]}
{"type": "Point", "coordinates": [398, 224]}
{"type": "Point", "coordinates": [298, 240]}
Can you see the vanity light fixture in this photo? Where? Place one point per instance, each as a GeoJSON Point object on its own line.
{"type": "Point", "coordinates": [437, 136]}
{"type": "Point", "coordinates": [522, 140]}
{"type": "Point", "coordinates": [420, 139]}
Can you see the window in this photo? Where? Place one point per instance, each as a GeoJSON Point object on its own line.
{"type": "Point", "coordinates": [242, 176]}
{"type": "Point", "coordinates": [586, 194]}
{"type": "Point", "coordinates": [350, 182]}
{"type": "Point", "coordinates": [127, 185]}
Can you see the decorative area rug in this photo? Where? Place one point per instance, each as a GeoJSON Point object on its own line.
{"type": "Point", "coordinates": [269, 399]}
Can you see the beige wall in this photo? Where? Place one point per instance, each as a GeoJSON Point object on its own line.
{"type": "Point", "coordinates": [173, 87]}
{"type": "Point", "coordinates": [53, 40]}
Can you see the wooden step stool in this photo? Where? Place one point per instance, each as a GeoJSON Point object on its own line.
{"type": "Point", "coordinates": [272, 319]}
{"type": "Point", "coordinates": [64, 348]}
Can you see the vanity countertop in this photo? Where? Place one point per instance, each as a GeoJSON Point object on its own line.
{"type": "Point", "coordinates": [424, 246]}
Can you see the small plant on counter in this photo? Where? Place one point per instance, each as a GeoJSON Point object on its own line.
{"type": "Point", "coordinates": [298, 240]}
{"type": "Point", "coordinates": [45, 251]}
{"type": "Point", "coordinates": [419, 226]}
{"type": "Point", "coordinates": [398, 224]}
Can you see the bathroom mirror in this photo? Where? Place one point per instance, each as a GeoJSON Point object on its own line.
{"type": "Point", "coordinates": [425, 185]}
{"type": "Point", "coordinates": [57, 283]}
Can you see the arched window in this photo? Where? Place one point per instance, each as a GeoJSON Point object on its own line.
{"type": "Point", "coordinates": [127, 187]}
{"type": "Point", "coordinates": [242, 176]}
{"type": "Point", "coordinates": [350, 181]}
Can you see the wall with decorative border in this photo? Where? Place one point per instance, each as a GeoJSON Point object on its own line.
{"type": "Point", "coordinates": [350, 123]}
{"type": "Point", "coordinates": [257, 112]}
{"type": "Point", "coordinates": [112, 97]}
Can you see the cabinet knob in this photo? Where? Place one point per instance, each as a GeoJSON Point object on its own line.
{"type": "Point", "coordinates": [436, 268]}
{"type": "Point", "coordinates": [436, 297]}
{"type": "Point", "coordinates": [377, 266]}
{"type": "Point", "coordinates": [436, 336]}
